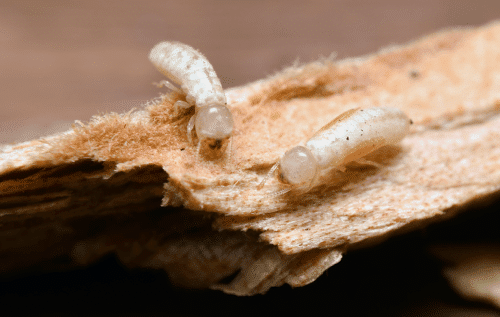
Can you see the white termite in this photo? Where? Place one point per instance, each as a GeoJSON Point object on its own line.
{"type": "Point", "coordinates": [188, 68]}
{"type": "Point", "coordinates": [347, 138]}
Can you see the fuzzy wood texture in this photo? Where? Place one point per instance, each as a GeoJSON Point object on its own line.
{"type": "Point", "coordinates": [447, 83]}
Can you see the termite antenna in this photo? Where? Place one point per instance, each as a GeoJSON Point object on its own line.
{"type": "Point", "coordinates": [275, 166]}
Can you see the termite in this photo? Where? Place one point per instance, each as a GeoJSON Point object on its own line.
{"type": "Point", "coordinates": [347, 138]}
{"type": "Point", "coordinates": [188, 68]}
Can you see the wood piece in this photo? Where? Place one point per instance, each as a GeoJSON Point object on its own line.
{"type": "Point", "coordinates": [474, 271]}
{"type": "Point", "coordinates": [126, 165]}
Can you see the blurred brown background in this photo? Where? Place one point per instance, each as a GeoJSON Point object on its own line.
{"type": "Point", "coordinates": [66, 60]}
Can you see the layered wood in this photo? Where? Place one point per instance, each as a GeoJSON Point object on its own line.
{"type": "Point", "coordinates": [133, 185]}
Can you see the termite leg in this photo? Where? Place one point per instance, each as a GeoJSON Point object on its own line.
{"type": "Point", "coordinates": [313, 181]}
{"type": "Point", "coordinates": [230, 152]}
{"type": "Point", "coordinates": [190, 128]}
{"type": "Point", "coordinates": [198, 150]}
{"type": "Point", "coordinates": [279, 193]}
{"type": "Point", "coordinates": [180, 106]}
{"type": "Point", "coordinates": [367, 162]}
{"type": "Point", "coordinates": [169, 85]}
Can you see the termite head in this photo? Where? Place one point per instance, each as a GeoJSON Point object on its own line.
{"type": "Point", "coordinates": [214, 128]}
{"type": "Point", "coordinates": [214, 122]}
{"type": "Point", "coordinates": [297, 167]}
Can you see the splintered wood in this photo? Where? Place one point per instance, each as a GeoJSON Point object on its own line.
{"type": "Point", "coordinates": [119, 169]}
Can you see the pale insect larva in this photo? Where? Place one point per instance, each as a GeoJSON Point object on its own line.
{"type": "Point", "coordinates": [188, 68]}
{"type": "Point", "coordinates": [347, 138]}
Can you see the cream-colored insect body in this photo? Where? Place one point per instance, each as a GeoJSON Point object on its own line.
{"type": "Point", "coordinates": [347, 138]}
{"type": "Point", "coordinates": [189, 69]}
